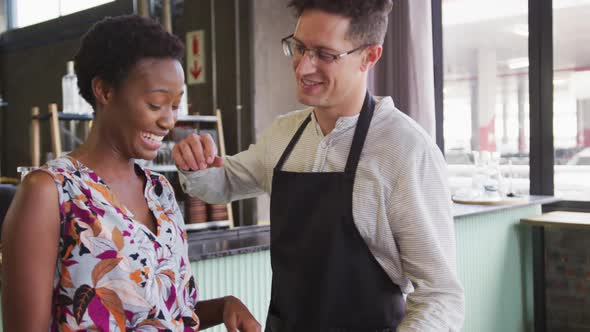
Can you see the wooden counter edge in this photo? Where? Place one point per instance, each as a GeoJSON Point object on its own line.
{"type": "Point", "coordinates": [579, 220]}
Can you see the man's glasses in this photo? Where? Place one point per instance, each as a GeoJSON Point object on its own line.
{"type": "Point", "coordinates": [295, 49]}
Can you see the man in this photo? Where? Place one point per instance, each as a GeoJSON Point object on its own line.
{"type": "Point", "coordinates": [360, 207]}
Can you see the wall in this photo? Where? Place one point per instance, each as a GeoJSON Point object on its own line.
{"type": "Point", "coordinates": [253, 73]}
{"type": "Point", "coordinates": [275, 86]}
{"type": "Point", "coordinates": [3, 16]}
{"type": "Point", "coordinates": [229, 82]}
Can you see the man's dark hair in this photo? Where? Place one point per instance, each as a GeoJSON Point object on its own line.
{"type": "Point", "coordinates": [112, 46]}
{"type": "Point", "coordinates": [368, 18]}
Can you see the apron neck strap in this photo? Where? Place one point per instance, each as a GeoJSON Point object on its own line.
{"type": "Point", "coordinates": [294, 140]}
{"type": "Point", "coordinates": [360, 134]}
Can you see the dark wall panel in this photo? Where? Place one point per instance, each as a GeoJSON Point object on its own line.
{"type": "Point", "coordinates": [31, 77]}
{"type": "Point", "coordinates": [32, 64]}
{"type": "Point", "coordinates": [229, 80]}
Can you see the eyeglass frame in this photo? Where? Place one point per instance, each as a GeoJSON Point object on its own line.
{"type": "Point", "coordinates": [306, 49]}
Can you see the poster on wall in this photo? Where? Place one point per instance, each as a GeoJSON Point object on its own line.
{"type": "Point", "coordinates": [195, 57]}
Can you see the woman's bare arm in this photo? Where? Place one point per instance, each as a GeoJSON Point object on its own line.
{"type": "Point", "coordinates": [30, 239]}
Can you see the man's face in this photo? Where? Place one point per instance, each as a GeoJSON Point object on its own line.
{"type": "Point", "coordinates": [321, 84]}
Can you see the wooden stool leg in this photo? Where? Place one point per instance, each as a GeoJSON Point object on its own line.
{"type": "Point", "coordinates": [221, 139]}
{"type": "Point", "coordinates": [35, 138]}
{"type": "Point", "coordinates": [87, 127]}
{"type": "Point", "coordinates": [55, 132]}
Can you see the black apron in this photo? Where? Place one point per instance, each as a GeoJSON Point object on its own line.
{"type": "Point", "coordinates": [324, 276]}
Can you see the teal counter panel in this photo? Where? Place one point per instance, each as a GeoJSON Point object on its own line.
{"type": "Point", "coordinates": [246, 276]}
{"type": "Point", "coordinates": [494, 255]}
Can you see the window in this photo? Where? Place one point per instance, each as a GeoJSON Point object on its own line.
{"type": "Point", "coordinates": [28, 12]}
{"type": "Point", "coordinates": [571, 98]}
{"type": "Point", "coordinates": [485, 93]}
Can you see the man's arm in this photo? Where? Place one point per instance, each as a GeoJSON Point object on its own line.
{"type": "Point", "coordinates": [221, 180]}
{"type": "Point", "coordinates": [422, 222]}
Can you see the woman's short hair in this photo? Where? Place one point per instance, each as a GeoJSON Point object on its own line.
{"type": "Point", "coordinates": [112, 46]}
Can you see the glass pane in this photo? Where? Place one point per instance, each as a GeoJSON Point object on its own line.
{"type": "Point", "coordinates": [29, 12]}
{"type": "Point", "coordinates": [571, 94]}
{"type": "Point", "coordinates": [72, 6]}
{"type": "Point", "coordinates": [486, 109]}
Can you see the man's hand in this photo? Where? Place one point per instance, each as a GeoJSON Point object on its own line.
{"type": "Point", "coordinates": [236, 317]}
{"type": "Point", "coordinates": [196, 152]}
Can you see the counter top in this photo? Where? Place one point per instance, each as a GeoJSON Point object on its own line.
{"type": "Point", "coordinates": [220, 243]}
{"type": "Point", "coordinates": [241, 240]}
{"type": "Point", "coordinates": [463, 210]}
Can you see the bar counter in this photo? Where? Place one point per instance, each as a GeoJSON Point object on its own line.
{"type": "Point", "coordinates": [221, 243]}
{"type": "Point", "coordinates": [242, 240]}
{"type": "Point", "coordinates": [494, 262]}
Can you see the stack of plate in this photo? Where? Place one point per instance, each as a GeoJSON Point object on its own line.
{"type": "Point", "coordinates": [217, 212]}
{"type": "Point", "coordinates": [196, 210]}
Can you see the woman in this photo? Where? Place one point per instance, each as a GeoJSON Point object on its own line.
{"type": "Point", "coordinates": [92, 241]}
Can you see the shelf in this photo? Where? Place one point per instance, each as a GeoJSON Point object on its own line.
{"type": "Point", "coordinates": [197, 118]}
{"type": "Point", "coordinates": [208, 225]}
{"type": "Point", "coordinates": [162, 168]}
{"type": "Point", "coordinates": [67, 117]}
{"type": "Point", "coordinates": [88, 117]}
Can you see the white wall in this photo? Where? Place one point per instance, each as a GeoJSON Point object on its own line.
{"type": "Point", "coordinates": [274, 83]}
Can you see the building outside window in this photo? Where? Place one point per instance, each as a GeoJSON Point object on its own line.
{"type": "Point", "coordinates": [486, 93]}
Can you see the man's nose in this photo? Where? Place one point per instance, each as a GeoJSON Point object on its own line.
{"type": "Point", "coordinates": [306, 64]}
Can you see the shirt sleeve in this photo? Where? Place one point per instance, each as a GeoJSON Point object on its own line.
{"type": "Point", "coordinates": [242, 176]}
{"type": "Point", "coordinates": [423, 227]}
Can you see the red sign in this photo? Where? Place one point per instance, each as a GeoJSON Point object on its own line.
{"type": "Point", "coordinates": [195, 57]}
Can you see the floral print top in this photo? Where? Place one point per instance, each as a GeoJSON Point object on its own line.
{"type": "Point", "coordinates": [112, 272]}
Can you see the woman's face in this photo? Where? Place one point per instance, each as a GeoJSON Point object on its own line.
{"type": "Point", "coordinates": [143, 109]}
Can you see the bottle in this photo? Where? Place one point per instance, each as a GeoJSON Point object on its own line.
{"type": "Point", "coordinates": [69, 89]}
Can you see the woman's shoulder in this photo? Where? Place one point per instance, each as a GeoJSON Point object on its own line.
{"type": "Point", "coordinates": [37, 194]}
{"type": "Point", "coordinates": [71, 177]}
{"type": "Point", "coordinates": [38, 180]}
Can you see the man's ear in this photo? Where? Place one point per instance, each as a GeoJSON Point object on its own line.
{"type": "Point", "coordinates": [103, 92]}
{"type": "Point", "coordinates": [372, 54]}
